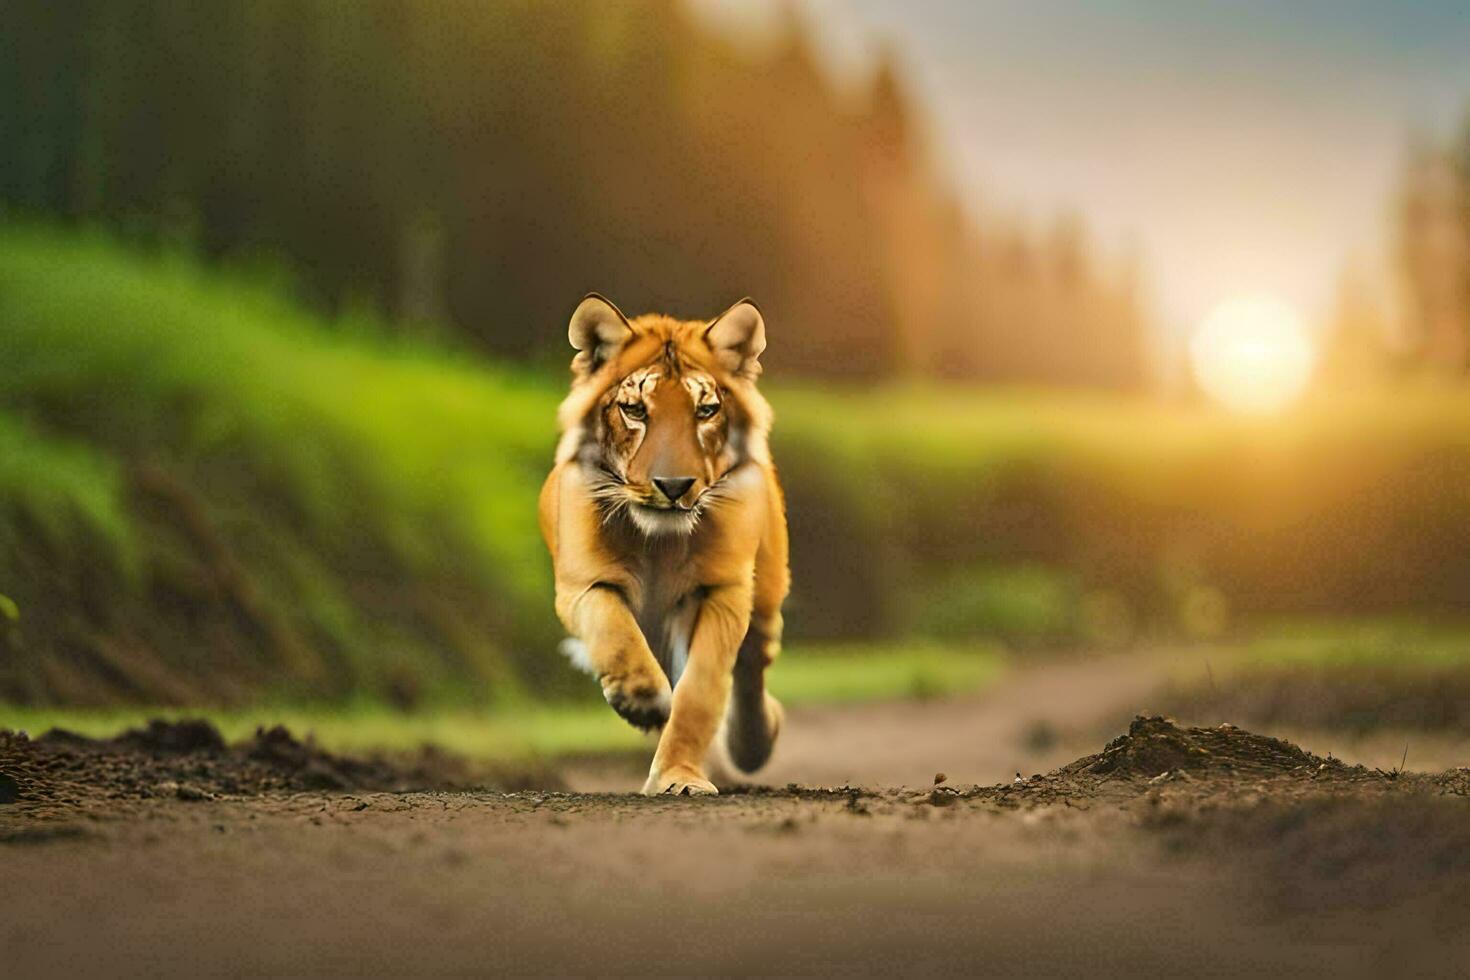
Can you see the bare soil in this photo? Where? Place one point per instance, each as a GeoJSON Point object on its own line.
{"type": "Point", "coordinates": [1171, 850]}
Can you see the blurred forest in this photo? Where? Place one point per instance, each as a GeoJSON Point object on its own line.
{"type": "Point", "coordinates": [482, 165]}
{"type": "Point", "coordinates": [1423, 326]}
{"type": "Point", "coordinates": [1433, 254]}
{"type": "Point", "coordinates": [283, 288]}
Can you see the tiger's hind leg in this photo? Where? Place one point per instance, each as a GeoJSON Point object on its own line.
{"type": "Point", "coordinates": [754, 717]}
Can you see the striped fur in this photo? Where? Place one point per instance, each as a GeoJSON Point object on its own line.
{"type": "Point", "coordinates": [674, 603]}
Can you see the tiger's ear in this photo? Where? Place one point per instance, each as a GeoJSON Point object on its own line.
{"type": "Point", "coordinates": [737, 337]}
{"type": "Point", "coordinates": [598, 331]}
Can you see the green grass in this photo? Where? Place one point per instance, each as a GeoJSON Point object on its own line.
{"type": "Point", "coordinates": [1366, 653]}
{"type": "Point", "coordinates": [808, 675]}
{"type": "Point", "coordinates": [1362, 677]}
{"type": "Point", "coordinates": [65, 488]}
{"type": "Point", "coordinates": [866, 672]}
{"type": "Point", "coordinates": [1398, 643]}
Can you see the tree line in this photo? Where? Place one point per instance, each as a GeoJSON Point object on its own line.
{"type": "Point", "coordinates": [481, 165]}
{"type": "Point", "coordinates": [1422, 328]}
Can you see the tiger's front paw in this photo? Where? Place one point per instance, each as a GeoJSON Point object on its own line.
{"type": "Point", "coordinates": [679, 781]}
{"type": "Point", "coordinates": [642, 698]}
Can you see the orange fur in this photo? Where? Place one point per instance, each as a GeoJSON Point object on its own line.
{"type": "Point", "coordinates": [667, 532]}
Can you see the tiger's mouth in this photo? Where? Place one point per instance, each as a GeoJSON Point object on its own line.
{"type": "Point", "coordinates": [656, 519]}
{"type": "Point", "coordinates": [658, 505]}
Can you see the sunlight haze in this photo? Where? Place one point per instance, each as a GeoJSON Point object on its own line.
{"type": "Point", "coordinates": [1292, 118]}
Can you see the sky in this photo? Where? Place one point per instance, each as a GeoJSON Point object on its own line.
{"type": "Point", "coordinates": [1243, 148]}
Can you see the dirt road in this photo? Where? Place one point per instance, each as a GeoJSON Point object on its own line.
{"type": "Point", "coordinates": [1170, 850]}
{"type": "Point", "coordinates": [1037, 719]}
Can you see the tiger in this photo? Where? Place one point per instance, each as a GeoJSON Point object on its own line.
{"type": "Point", "coordinates": [666, 526]}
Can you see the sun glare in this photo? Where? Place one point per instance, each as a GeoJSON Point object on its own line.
{"type": "Point", "coordinates": [1252, 354]}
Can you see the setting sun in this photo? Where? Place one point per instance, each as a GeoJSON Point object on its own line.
{"type": "Point", "coordinates": [1252, 354]}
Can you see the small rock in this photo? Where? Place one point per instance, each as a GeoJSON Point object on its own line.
{"type": "Point", "coordinates": [939, 778]}
{"type": "Point", "coordinates": [942, 796]}
{"type": "Point", "coordinates": [192, 794]}
{"type": "Point", "coordinates": [9, 788]}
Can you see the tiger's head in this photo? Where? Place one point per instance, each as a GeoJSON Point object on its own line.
{"type": "Point", "coordinates": [662, 411]}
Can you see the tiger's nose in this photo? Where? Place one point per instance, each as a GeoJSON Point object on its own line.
{"type": "Point", "coordinates": [673, 487]}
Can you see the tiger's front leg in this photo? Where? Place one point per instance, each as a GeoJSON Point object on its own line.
{"type": "Point", "coordinates": [701, 696]}
{"type": "Point", "coordinates": [617, 652]}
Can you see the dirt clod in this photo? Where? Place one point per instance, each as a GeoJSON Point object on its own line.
{"type": "Point", "coordinates": [61, 771]}
{"type": "Point", "coordinates": [1155, 745]}
{"type": "Point", "coordinates": [190, 735]}
{"type": "Point", "coordinates": [1224, 765]}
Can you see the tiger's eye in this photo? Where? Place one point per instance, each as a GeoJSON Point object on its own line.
{"type": "Point", "coordinates": [707, 411]}
{"type": "Point", "coordinates": [635, 411]}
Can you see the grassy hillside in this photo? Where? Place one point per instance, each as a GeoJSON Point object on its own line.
{"type": "Point", "coordinates": [208, 495]}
